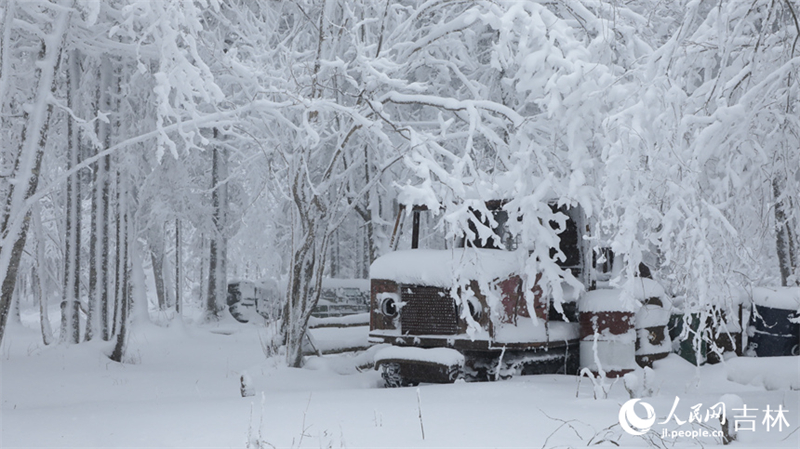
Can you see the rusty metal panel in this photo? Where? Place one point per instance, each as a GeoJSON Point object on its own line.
{"type": "Point", "coordinates": [427, 311]}
{"type": "Point", "coordinates": [377, 320]}
{"type": "Point", "coordinates": [616, 322]}
{"type": "Point", "coordinates": [514, 304]}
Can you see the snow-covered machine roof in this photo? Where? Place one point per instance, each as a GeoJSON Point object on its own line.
{"type": "Point", "coordinates": [438, 268]}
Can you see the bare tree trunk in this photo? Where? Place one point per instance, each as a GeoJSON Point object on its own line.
{"type": "Point", "coordinates": [104, 178]}
{"type": "Point", "coordinates": [70, 305]}
{"type": "Point", "coordinates": [310, 237]}
{"type": "Point", "coordinates": [178, 297]}
{"type": "Point", "coordinates": [37, 278]}
{"type": "Point", "coordinates": [168, 270]}
{"type": "Point", "coordinates": [41, 303]}
{"type": "Point", "coordinates": [91, 307]}
{"type": "Point", "coordinates": [371, 243]}
{"type": "Point", "coordinates": [212, 314]}
{"type": "Point", "coordinates": [785, 234]}
{"type": "Point", "coordinates": [217, 276]}
{"type": "Point", "coordinates": [5, 59]}
{"type": "Point", "coordinates": [305, 286]}
{"type": "Point", "coordinates": [335, 255]}
{"type": "Point", "coordinates": [123, 290]}
{"type": "Point", "coordinates": [103, 294]}
{"type": "Point", "coordinates": [203, 243]}
{"type": "Point", "coordinates": [19, 289]}
{"type": "Point", "coordinates": [156, 244]}
{"type": "Point", "coordinates": [366, 215]}
{"type": "Point", "coordinates": [94, 257]}
{"type": "Point", "coordinates": [366, 242]}
{"type": "Point", "coordinates": [119, 256]}
{"type": "Point", "coordinates": [97, 310]}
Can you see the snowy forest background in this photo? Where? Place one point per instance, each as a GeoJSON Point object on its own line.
{"type": "Point", "coordinates": [192, 142]}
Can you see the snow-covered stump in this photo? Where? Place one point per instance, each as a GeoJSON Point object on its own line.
{"type": "Point", "coordinates": [246, 385]}
{"type": "Point", "coordinates": [608, 337]}
{"type": "Point", "coordinates": [774, 329]}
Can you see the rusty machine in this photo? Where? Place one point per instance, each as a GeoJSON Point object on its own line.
{"type": "Point", "coordinates": [440, 330]}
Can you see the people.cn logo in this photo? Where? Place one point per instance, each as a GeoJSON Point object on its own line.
{"type": "Point", "coordinates": [631, 422]}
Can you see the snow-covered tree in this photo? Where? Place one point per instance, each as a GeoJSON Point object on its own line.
{"type": "Point", "coordinates": [144, 60]}
{"type": "Point", "coordinates": [509, 105]}
{"type": "Point", "coordinates": [331, 135]}
{"type": "Point", "coordinates": [706, 152]}
{"type": "Point", "coordinates": [44, 27]}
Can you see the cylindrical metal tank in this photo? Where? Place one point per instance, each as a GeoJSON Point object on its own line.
{"type": "Point", "coordinates": [774, 329]}
{"type": "Point", "coordinates": [652, 337]}
{"type": "Point", "coordinates": [608, 337]}
{"type": "Point", "coordinates": [707, 337]}
{"type": "Point", "coordinates": [690, 349]}
{"type": "Point", "coordinates": [728, 333]}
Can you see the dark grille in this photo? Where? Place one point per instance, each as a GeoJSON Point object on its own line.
{"type": "Point", "coordinates": [427, 311]}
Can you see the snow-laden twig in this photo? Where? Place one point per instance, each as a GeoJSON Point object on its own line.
{"type": "Point", "coordinates": [303, 428]}
{"type": "Point", "coordinates": [499, 364]}
{"type": "Point", "coordinates": [257, 442]}
{"type": "Point", "coordinates": [567, 423]}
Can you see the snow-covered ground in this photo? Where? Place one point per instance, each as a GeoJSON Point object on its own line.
{"type": "Point", "coordinates": [183, 390]}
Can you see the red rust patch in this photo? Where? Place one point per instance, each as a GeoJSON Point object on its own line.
{"type": "Point", "coordinates": [617, 323]}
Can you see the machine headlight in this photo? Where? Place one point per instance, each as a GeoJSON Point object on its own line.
{"type": "Point", "coordinates": [388, 304]}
